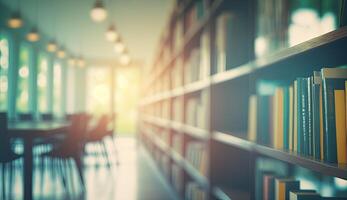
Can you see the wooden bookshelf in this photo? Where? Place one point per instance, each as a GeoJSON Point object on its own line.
{"type": "Point", "coordinates": [232, 159]}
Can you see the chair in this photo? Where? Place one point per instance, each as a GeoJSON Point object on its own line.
{"type": "Point", "coordinates": [7, 157]}
{"type": "Point", "coordinates": [98, 134]}
{"type": "Point", "coordinates": [25, 117]}
{"type": "Point", "coordinates": [68, 152]}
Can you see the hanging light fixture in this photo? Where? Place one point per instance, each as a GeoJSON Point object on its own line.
{"type": "Point", "coordinates": [33, 35]}
{"type": "Point", "coordinates": [111, 34]}
{"type": "Point", "coordinates": [98, 12]}
{"type": "Point", "coordinates": [15, 21]}
{"type": "Point", "coordinates": [52, 46]}
{"type": "Point", "coordinates": [81, 62]}
{"type": "Point", "coordinates": [71, 61]}
{"type": "Point", "coordinates": [61, 53]}
{"type": "Point", "coordinates": [119, 46]}
{"type": "Point", "coordinates": [125, 58]}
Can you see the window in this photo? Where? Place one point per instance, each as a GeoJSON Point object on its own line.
{"type": "Point", "coordinates": [4, 58]}
{"type": "Point", "coordinates": [42, 80]}
{"type": "Point", "coordinates": [57, 89]}
{"type": "Point", "coordinates": [22, 104]}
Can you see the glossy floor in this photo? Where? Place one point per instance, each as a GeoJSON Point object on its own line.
{"type": "Point", "coordinates": [135, 178]}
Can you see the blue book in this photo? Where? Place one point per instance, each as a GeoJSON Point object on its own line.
{"type": "Point", "coordinates": [332, 79]}
{"type": "Point", "coordinates": [302, 116]}
{"type": "Point", "coordinates": [316, 94]}
{"type": "Point", "coordinates": [309, 118]}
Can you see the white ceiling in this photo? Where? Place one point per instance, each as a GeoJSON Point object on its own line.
{"type": "Point", "coordinates": [140, 23]}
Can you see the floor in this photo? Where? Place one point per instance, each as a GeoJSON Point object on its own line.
{"type": "Point", "coordinates": [135, 178]}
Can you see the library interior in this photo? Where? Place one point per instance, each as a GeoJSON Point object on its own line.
{"type": "Point", "coordinates": [173, 99]}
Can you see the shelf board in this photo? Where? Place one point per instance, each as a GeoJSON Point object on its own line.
{"type": "Point", "coordinates": [156, 98]}
{"type": "Point", "coordinates": [165, 123]}
{"type": "Point", "coordinates": [195, 131]}
{"type": "Point", "coordinates": [232, 140]}
{"type": "Point", "coordinates": [177, 92]}
{"type": "Point", "coordinates": [196, 175]}
{"type": "Point", "coordinates": [177, 126]}
{"type": "Point", "coordinates": [161, 144]}
{"type": "Point", "coordinates": [335, 39]}
{"type": "Point", "coordinates": [222, 193]}
{"type": "Point", "coordinates": [196, 86]}
{"type": "Point", "coordinates": [330, 169]}
{"type": "Point", "coordinates": [286, 156]}
{"type": "Point", "coordinates": [177, 157]}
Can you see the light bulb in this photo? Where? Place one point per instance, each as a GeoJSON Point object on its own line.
{"type": "Point", "coordinates": [119, 47]}
{"type": "Point", "coordinates": [81, 62]}
{"type": "Point", "coordinates": [111, 34]}
{"type": "Point", "coordinates": [61, 53]}
{"type": "Point", "coordinates": [98, 12]}
{"type": "Point", "coordinates": [72, 61]}
{"type": "Point", "coordinates": [52, 46]}
{"type": "Point", "coordinates": [15, 21]}
{"type": "Point", "coordinates": [124, 59]}
{"type": "Point", "coordinates": [33, 35]}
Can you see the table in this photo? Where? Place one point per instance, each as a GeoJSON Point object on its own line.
{"type": "Point", "coordinates": [28, 131]}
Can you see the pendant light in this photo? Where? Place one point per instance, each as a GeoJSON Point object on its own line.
{"type": "Point", "coordinates": [61, 53]}
{"type": "Point", "coordinates": [71, 61]}
{"type": "Point", "coordinates": [98, 12]}
{"type": "Point", "coordinates": [81, 62]}
{"type": "Point", "coordinates": [119, 46]}
{"type": "Point", "coordinates": [52, 46]}
{"type": "Point", "coordinates": [33, 35]}
{"type": "Point", "coordinates": [125, 58]}
{"type": "Point", "coordinates": [111, 34]}
{"type": "Point", "coordinates": [15, 21]}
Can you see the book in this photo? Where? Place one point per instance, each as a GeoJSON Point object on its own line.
{"type": "Point", "coordinates": [278, 119]}
{"type": "Point", "coordinates": [340, 120]}
{"type": "Point", "coordinates": [252, 118]}
{"type": "Point", "coordinates": [263, 119]}
{"type": "Point", "coordinates": [309, 145]}
{"type": "Point", "coordinates": [304, 195]}
{"type": "Point", "coordinates": [332, 79]}
{"type": "Point", "coordinates": [284, 186]}
{"type": "Point", "coordinates": [291, 119]}
{"type": "Point", "coordinates": [268, 187]}
{"type": "Point", "coordinates": [295, 116]}
{"type": "Point", "coordinates": [316, 114]}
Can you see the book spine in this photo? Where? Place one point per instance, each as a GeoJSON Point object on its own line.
{"type": "Point", "coordinates": [330, 153]}
{"type": "Point", "coordinates": [309, 117]}
{"type": "Point", "coordinates": [316, 120]}
{"type": "Point", "coordinates": [299, 117]}
{"type": "Point", "coordinates": [286, 120]}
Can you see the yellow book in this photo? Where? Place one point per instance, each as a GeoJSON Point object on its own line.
{"type": "Point", "coordinates": [340, 120]}
{"type": "Point", "coordinates": [291, 115]}
{"type": "Point", "coordinates": [284, 186]}
{"type": "Point", "coordinates": [321, 123]}
{"type": "Point", "coordinates": [252, 118]}
{"type": "Point", "coordinates": [280, 190]}
{"type": "Point", "coordinates": [295, 118]}
{"type": "Point", "coordinates": [278, 119]}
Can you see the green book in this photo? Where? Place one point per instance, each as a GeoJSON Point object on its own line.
{"type": "Point", "coordinates": [286, 117]}
{"type": "Point", "coordinates": [316, 93]}
{"type": "Point", "coordinates": [263, 119]}
{"type": "Point", "coordinates": [332, 79]}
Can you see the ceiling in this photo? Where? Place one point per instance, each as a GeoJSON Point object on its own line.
{"type": "Point", "coordinates": [140, 23]}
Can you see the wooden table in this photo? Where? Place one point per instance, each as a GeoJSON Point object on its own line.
{"type": "Point", "coordinates": [28, 131]}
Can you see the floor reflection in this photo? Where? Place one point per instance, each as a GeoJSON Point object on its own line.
{"type": "Point", "coordinates": [134, 178]}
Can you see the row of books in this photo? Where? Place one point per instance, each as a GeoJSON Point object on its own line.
{"type": "Point", "coordinates": [195, 192]}
{"type": "Point", "coordinates": [177, 178]}
{"type": "Point", "coordinates": [176, 74]}
{"type": "Point", "coordinates": [196, 110]}
{"type": "Point", "coordinates": [196, 154]}
{"type": "Point", "coordinates": [198, 62]}
{"type": "Point", "coordinates": [276, 188]}
{"type": "Point", "coordinates": [307, 116]}
{"type": "Point", "coordinates": [279, 25]}
{"type": "Point", "coordinates": [195, 14]}
{"type": "Point", "coordinates": [177, 143]}
{"type": "Point", "coordinates": [229, 49]}
{"type": "Point", "coordinates": [177, 111]}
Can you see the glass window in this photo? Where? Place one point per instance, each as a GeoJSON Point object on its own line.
{"type": "Point", "coordinates": [57, 89]}
{"type": "Point", "coordinates": [4, 58]}
{"type": "Point", "coordinates": [22, 104]}
{"type": "Point", "coordinates": [42, 80]}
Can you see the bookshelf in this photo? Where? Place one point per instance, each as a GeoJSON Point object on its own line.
{"type": "Point", "coordinates": [220, 104]}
